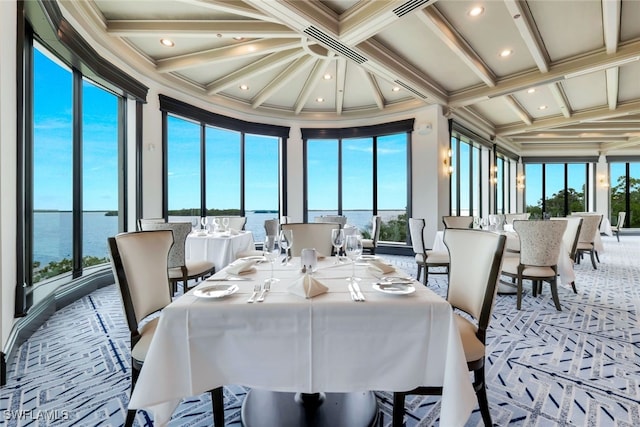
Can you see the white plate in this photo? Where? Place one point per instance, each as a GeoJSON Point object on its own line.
{"type": "Point", "coordinates": [258, 258]}
{"type": "Point", "coordinates": [218, 290]}
{"type": "Point", "coordinates": [368, 257]}
{"type": "Point", "coordinates": [394, 288]}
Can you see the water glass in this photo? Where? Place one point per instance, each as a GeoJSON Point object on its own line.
{"type": "Point", "coordinates": [353, 249]}
{"type": "Point", "coordinates": [337, 240]}
{"type": "Point", "coordinates": [271, 250]}
{"type": "Point", "coordinates": [286, 239]}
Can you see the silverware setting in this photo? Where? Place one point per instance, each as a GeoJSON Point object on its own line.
{"type": "Point", "coordinates": [356, 288]}
{"type": "Point", "coordinates": [227, 279]}
{"type": "Point", "coordinates": [356, 294]}
{"type": "Point", "coordinates": [265, 288]}
{"type": "Point", "coordinates": [256, 289]}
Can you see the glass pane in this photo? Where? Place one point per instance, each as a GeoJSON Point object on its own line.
{"type": "Point", "coordinates": [576, 185]}
{"type": "Point", "coordinates": [183, 163]}
{"type": "Point", "coordinates": [500, 186]}
{"type": "Point", "coordinates": [261, 182]}
{"type": "Point", "coordinates": [52, 168]}
{"type": "Point", "coordinates": [554, 189]}
{"type": "Point", "coordinates": [618, 183]}
{"type": "Point", "coordinates": [392, 187]}
{"type": "Point", "coordinates": [533, 189]}
{"type": "Point", "coordinates": [222, 171]}
{"type": "Point", "coordinates": [100, 172]}
{"type": "Point", "coordinates": [634, 195]}
{"type": "Point", "coordinates": [465, 179]}
{"type": "Point", "coordinates": [322, 177]}
{"type": "Point", "coordinates": [357, 183]}
{"type": "Point", "coordinates": [475, 181]}
{"type": "Point", "coordinates": [453, 177]}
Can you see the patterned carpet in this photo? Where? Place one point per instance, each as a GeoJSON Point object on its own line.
{"type": "Point", "coordinates": [578, 367]}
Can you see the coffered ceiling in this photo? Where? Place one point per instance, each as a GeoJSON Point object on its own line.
{"type": "Point", "coordinates": [537, 74]}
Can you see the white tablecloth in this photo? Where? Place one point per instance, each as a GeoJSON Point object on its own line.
{"type": "Point", "coordinates": [219, 248]}
{"type": "Point", "coordinates": [288, 343]}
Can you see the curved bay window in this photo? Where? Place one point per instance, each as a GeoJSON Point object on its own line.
{"type": "Point", "coordinates": [624, 183]}
{"type": "Point", "coordinates": [358, 173]}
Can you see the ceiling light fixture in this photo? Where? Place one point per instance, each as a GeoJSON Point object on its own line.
{"type": "Point", "coordinates": [319, 99]}
{"type": "Point", "coordinates": [476, 11]}
{"type": "Point", "coordinates": [542, 107]}
{"type": "Point", "coordinates": [244, 87]}
{"type": "Point", "coordinates": [396, 89]}
{"type": "Point", "coordinates": [506, 53]}
{"type": "Point", "coordinates": [532, 90]}
{"type": "Point", "coordinates": [167, 43]}
{"type": "Point", "coordinates": [327, 76]}
{"type": "Point", "coordinates": [238, 38]}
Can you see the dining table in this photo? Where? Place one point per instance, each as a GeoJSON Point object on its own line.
{"type": "Point", "coordinates": [219, 247]}
{"type": "Point", "coordinates": [301, 348]}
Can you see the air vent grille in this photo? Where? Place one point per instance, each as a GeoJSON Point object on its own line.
{"type": "Point", "coordinates": [409, 6]}
{"type": "Point", "coordinates": [335, 44]}
{"type": "Point", "coordinates": [410, 89]}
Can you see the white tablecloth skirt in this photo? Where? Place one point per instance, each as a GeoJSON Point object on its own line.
{"type": "Point", "coordinates": [218, 248]}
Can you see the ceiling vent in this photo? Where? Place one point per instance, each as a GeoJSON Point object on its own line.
{"type": "Point", "coordinates": [409, 6]}
{"type": "Point", "coordinates": [334, 44]}
{"type": "Point", "coordinates": [410, 89]}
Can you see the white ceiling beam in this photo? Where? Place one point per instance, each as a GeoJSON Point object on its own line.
{"type": "Point", "coordinates": [299, 14]}
{"type": "Point", "coordinates": [313, 80]}
{"type": "Point", "coordinates": [611, 24]}
{"type": "Point", "coordinates": [572, 139]}
{"type": "Point", "coordinates": [610, 146]}
{"type": "Point", "coordinates": [281, 80]}
{"type": "Point", "coordinates": [199, 28]}
{"type": "Point", "coordinates": [528, 31]}
{"type": "Point", "coordinates": [229, 6]}
{"type": "Point", "coordinates": [366, 19]}
{"type": "Point", "coordinates": [609, 125]}
{"type": "Point", "coordinates": [560, 97]}
{"type": "Point", "coordinates": [517, 108]}
{"type": "Point", "coordinates": [227, 53]}
{"type": "Point", "coordinates": [262, 65]}
{"type": "Point", "coordinates": [597, 61]}
{"type": "Point", "coordinates": [577, 117]}
{"type": "Point", "coordinates": [341, 75]}
{"type": "Point", "coordinates": [612, 87]}
{"type": "Point", "coordinates": [439, 25]}
{"type": "Point", "coordinates": [375, 89]}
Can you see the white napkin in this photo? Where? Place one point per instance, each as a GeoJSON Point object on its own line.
{"type": "Point", "coordinates": [307, 287]}
{"type": "Point", "coordinates": [233, 232]}
{"type": "Point", "coordinates": [241, 266]}
{"type": "Point", "coordinates": [381, 267]}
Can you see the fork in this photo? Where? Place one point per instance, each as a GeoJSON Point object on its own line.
{"type": "Point", "coordinates": [256, 289]}
{"type": "Point", "coordinates": [265, 288]}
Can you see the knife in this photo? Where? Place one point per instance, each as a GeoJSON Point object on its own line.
{"type": "Point", "coordinates": [354, 296]}
{"type": "Point", "coordinates": [356, 288]}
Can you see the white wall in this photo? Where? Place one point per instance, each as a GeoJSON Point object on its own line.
{"type": "Point", "coordinates": [7, 167]}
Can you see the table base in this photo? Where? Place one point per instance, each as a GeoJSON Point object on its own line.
{"type": "Point", "coordinates": [264, 408]}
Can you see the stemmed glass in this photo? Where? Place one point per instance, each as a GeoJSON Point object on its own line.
{"type": "Point", "coordinates": [286, 238]}
{"type": "Point", "coordinates": [271, 250]}
{"type": "Point", "coordinates": [353, 248]}
{"type": "Point", "coordinates": [194, 224]}
{"type": "Point", "coordinates": [225, 223]}
{"type": "Point", "coordinates": [203, 222]}
{"type": "Point", "coordinates": [216, 224]}
{"type": "Point", "coordinates": [337, 240]}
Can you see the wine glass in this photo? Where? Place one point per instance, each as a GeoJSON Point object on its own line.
{"type": "Point", "coordinates": [194, 224]}
{"type": "Point", "coordinates": [225, 223]}
{"type": "Point", "coordinates": [353, 248]}
{"type": "Point", "coordinates": [286, 239]}
{"type": "Point", "coordinates": [203, 222]}
{"type": "Point", "coordinates": [271, 250]}
{"type": "Point", "coordinates": [216, 224]}
{"type": "Point", "coordinates": [337, 240]}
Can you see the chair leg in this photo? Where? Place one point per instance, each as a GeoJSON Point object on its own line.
{"type": "Point", "coordinates": [519, 284]}
{"type": "Point", "coordinates": [554, 293]}
{"type": "Point", "coordinates": [573, 285]}
{"type": "Point", "coordinates": [597, 256]}
{"type": "Point", "coordinates": [131, 415]}
{"type": "Point", "coordinates": [418, 273]}
{"type": "Point", "coordinates": [593, 259]}
{"type": "Point", "coordinates": [618, 235]}
{"type": "Point", "coordinates": [534, 288]}
{"type": "Point", "coordinates": [217, 401]}
{"type": "Point", "coordinates": [481, 393]}
{"type": "Point", "coordinates": [398, 409]}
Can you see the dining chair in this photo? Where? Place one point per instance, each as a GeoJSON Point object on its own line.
{"type": "Point", "coordinates": [311, 235]}
{"type": "Point", "coordinates": [424, 257]}
{"type": "Point", "coordinates": [144, 221]}
{"type": "Point", "coordinates": [457, 221]}
{"type": "Point", "coordinates": [619, 225]}
{"type": "Point", "coordinates": [181, 270]}
{"type": "Point", "coordinates": [339, 219]}
{"type": "Point", "coordinates": [570, 239]}
{"type": "Point", "coordinates": [586, 241]}
{"type": "Point", "coordinates": [271, 228]}
{"type": "Point", "coordinates": [474, 268]}
{"type": "Point", "coordinates": [370, 245]}
{"type": "Point", "coordinates": [139, 261]}
{"type": "Point", "coordinates": [510, 217]}
{"type": "Point", "coordinates": [540, 243]}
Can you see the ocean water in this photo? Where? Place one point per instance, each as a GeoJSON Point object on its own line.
{"type": "Point", "coordinates": [52, 230]}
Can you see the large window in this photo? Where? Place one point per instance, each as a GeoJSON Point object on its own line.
{"type": "Point", "coordinates": [556, 189]}
{"type": "Point", "coordinates": [360, 176]}
{"type": "Point", "coordinates": [466, 176]}
{"type": "Point", "coordinates": [221, 166]}
{"type": "Point", "coordinates": [625, 192]}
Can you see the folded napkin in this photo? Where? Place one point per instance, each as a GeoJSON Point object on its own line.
{"type": "Point", "coordinates": [241, 266]}
{"type": "Point", "coordinates": [381, 267]}
{"type": "Point", "coordinates": [307, 287]}
{"type": "Point", "coordinates": [233, 231]}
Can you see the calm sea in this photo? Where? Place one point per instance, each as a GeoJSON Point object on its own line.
{"type": "Point", "coordinates": [52, 230]}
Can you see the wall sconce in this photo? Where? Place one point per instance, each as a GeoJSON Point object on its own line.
{"type": "Point", "coordinates": [448, 168]}
{"type": "Point", "coordinates": [520, 182]}
{"type": "Point", "coordinates": [604, 182]}
{"type": "Point", "coordinates": [494, 175]}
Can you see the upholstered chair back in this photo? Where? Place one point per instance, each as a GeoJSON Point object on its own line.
{"type": "Point", "coordinates": [139, 262]}
{"type": "Point", "coordinates": [311, 235]}
{"type": "Point", "coordinates": [457, 221]}
{"type": "Point", "coordinates": [510, 217]}
{"type": "Point", "coordinates": [144, 221]}
{"type": "Point", "coordinates": [416, 230]}
{"type": "Point", "coordinates": [571, 234]}
{"type": "Point", "coordinates": [475, 258]}
{"type": "Point", "coordinates": [376, 221]}
{"type": "Point", "coordinates": [590, 226]}
{"type": "Point", "coordinates": [180, 232]}
{"type": "Point", "coordinates": [271, 226]}
{"type": "Point", "coordinates": [540, 241]}
{"type": "Point", "coordinates": [621, 217]}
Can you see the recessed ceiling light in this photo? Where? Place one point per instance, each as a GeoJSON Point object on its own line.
{"type": "Point", "coordinates": [532, 90]}
{"type": "Point", "coordinates": [238, 38]}
{"type": "Point", "coordinates": [167, 42]}
{"type": "Point", "coordinates": [542, 107]}
{"type": "Point", "coordinates": [506, 53]}
{"type": "Point", "coordinates": [476, 11]}
{"type": "Point", "coordinates": [396, 89]}
{"type": "Point", "coordinates": [327, 76]}
{"type": "Point", "coordinates": [319, 99]}
{"type": "Point", "coordinates": [244, 87]}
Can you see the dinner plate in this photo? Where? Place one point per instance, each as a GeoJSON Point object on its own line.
{"type": "Point", "coordinates": [368, 257]}
{"type": "Point", "coordinates": [219, 290]}
{"type": "Point", "coordinates": [394, 288]}
{"type": "Point", "coordinates": [258, 258]}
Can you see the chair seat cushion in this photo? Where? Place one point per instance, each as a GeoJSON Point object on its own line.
{"type": "Point", "coordinates": [434, 257]}
{"type": "Point", "coordinates": [473, 347]}
{"type": "Point", "coordinates": [139, 351]}
{"type": "Point", "coordinates": [510, 266]}
{"type": "Point", "coordinates": [194, 268]}
{"type": "Point", "coordinates": [584, 246]}
{"type": "Point", "coordinates": [367, 243]}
